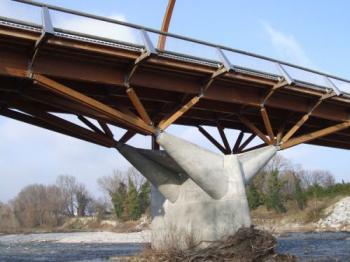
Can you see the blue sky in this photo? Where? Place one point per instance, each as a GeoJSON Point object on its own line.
{"type": "Point", "coordinates": [302, 32]}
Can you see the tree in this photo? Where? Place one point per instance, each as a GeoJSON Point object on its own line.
{"type": "Point", "coordinates": [38, 205]}
{"type": "Point", "coordinates": [144, 196]}
{"type": "Point", "coordinates": [254, 198]}
{"type": "Point", "coordinates": [132, 205]}
{"type": "Point", "coordinates": [119, 199]}
{"type": "Point", "coordinates": [273, 198]}
{"type": "Point", "coordinates": [299, 194]}
{"type": "Point", "coordinates": [83, 199]}
{"type": "Point", "coordinates": [68, 186]}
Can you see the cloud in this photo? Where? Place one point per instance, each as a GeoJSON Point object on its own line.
{"type": "Point", "coordinates": [288, 47]}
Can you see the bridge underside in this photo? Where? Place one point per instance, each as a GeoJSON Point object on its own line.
{"type": "Point", "coordinates": [65, 74]}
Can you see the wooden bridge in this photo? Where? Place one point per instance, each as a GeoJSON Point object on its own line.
{"type": "Point", "coordinates": [45, 69]}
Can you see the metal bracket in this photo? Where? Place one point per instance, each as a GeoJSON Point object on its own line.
{"type": "Point", "coordinates": [224, 60]}
{"type": "Point", "coordinates": [332, 86]}
{"type": "Point", "coordinates": [47, 32]}
{"type": "Point", "coordinates": [285, 74]}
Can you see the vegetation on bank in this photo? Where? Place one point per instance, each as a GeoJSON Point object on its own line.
{"type": "Point", "coordinates": [48, 207]}
{"type": "Point", "coordinates": [281, 188]}
{"type": "Point", "coordinates": [282, 183]}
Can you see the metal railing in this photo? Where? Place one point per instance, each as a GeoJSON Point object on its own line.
{"type": "Point", "coordinates": [283, 69]}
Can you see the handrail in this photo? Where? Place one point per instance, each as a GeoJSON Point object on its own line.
{"type": "Point", "coordinates": [193, 40]}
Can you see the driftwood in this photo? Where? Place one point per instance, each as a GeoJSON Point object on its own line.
{"type": "Point", "coordinates": [247, 245]}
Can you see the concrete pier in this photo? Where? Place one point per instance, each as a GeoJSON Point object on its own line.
{"type": "Point", "coordinates": [197, 195]}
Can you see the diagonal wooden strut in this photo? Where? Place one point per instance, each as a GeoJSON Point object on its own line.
{"type": "Point", "coordinates": [254, 129]}
{"type": "Point", "coordinates": [170, 120]}
{"type": "Point", "coordinates": [89, 124]}
{"type": "Point", "coordinates": [93, 104]}
{"type": "Point", "coordinates": [238, 142]}
{"type": "Point", "coordinates": [167, 122]}
{"type": "Point", "coordinates": [106, 129]}
{"type": "Point", "coordinates": [212, 139]}
{"type": "Point", "coordinates": [224, 138]}
{"type": "Point", "coordinates": [127, 136]}
{"type": "Point", "coordinates": [246, 142]}
{"type": "Point", "coordinates": [267, 124]}
{"type": "Point", "coordinates": [315, 135]}
{"type": "Point", "coordinates": [305, 117]}
{"type": "Point", "coordinates": [138, 105]}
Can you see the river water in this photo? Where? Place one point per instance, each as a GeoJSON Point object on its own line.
{"type": "Point", "coordinates": [306, 246]}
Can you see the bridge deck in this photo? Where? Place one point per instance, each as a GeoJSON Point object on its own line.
{"type": "Point", "coordinates": [165, 81]}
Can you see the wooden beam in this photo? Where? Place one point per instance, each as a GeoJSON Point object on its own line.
{"type": "Point", "coordinates": [127, 136]}
{"type": "Point", "coordinates": [254, 129]}
{"type": "Point", "coordinates": [106, 129]}
{"type": "Point", "coordinates": [267, 124]}
{"type": "Point", "coordinates": [315, 135]}
{"type": "Point", "coordinates": [238, 142]}
{"type": "Point", "coordinates": [166, 23]}
{"type": "Point", "coordinates": [32, 120]}
{"type": "Point", "coordinates": [92, 103]}
{"type": "Point", "coordinates": [89, 124]}
{"type": "Point", "coordinates": [212, 139]}
{"type": "Point", "coordinates": [255, 147]}
{"type": "Point", "coordinates": [138, 106]}
{"type": "Point", "coordinates": [224, 138]}
{"type": "Point", "coordinates": [167, 122]}
{"type": "Point", "coordinates": [246, 142]}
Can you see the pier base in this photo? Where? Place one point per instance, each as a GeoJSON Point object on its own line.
{"type": "Point", "coordinates": [197, 196]}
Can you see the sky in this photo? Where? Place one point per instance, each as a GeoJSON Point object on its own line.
{"type": "Point", "coordinates": [308, 33]}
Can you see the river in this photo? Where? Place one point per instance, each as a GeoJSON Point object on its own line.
{"type": "Point", "coordinates": [306, 246]}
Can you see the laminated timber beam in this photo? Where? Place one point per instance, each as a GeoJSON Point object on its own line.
{"type": "Point", "coordinates": [165, 24]}
{"type": "Point", "coordinates": [314, 135]}
{"type": "Point", "coordinates": [97, 106]}
{"type": "Point", "coordinates": [46, 121]}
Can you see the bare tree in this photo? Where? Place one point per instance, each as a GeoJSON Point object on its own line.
{"type": "Point", "coordinates": [68, 186]}
{"type": "Point", "coordinates": [135, 177]}
{"type": "Point", "coordinates": [110, 184]}
{"type": "Point", "coordinates": [322, 178]}
{"type": "Point", "coordinates": [83, 199]}
{"type": "Point", "coordinates": [8, 222]}
{"type": "Point", "coordinates": [38, 205]}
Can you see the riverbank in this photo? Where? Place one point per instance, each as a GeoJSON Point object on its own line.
{"type": "Point", "coordinates": [321, 215]}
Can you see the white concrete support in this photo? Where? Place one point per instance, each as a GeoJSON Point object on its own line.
{"type": "Point", "coordinates": [203, 194]}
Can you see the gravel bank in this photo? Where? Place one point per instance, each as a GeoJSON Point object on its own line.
{"type": "Point", "coordinates": [337, 216]}
{"type": "Point", "coordinates": [80, 237]}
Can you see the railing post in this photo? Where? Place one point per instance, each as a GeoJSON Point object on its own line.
{"type": "Point", "coordinates": [147, 42]}
{"type": "Point", "coordinates": [332, 85]}
{"type": "Point", "coordinates": [285, 74]}
{"type": "Point", "coordinates": [46, 21]}
{"type": "Point", "coordinates": [224, 60]}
